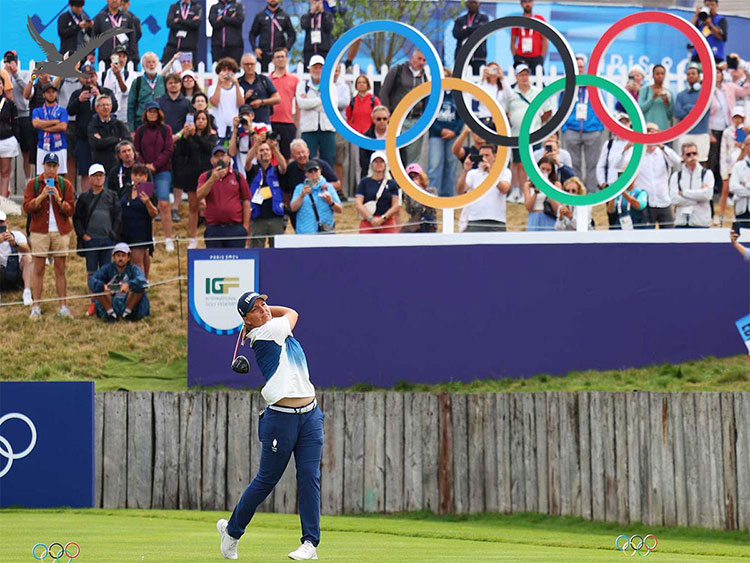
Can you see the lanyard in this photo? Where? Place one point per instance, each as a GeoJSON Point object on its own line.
{"type": "Point", "coordinates": [312, 22]}
{"type": "Point", "coordinates": [185, 10]}
{"type": "Point", "coordinates": [470, 19]}
{"type": "Point", "coordinates": [583, 95]}
{"type": "Point", "coordinates": [151, 84]}
{"type": "Point", "coordinates": [115, 22]}
{"type": "Point", "coordinates": [274, 24]}
{"type": "Point", "coordinates": [75, 19]}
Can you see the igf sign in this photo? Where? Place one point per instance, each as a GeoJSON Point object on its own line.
{"type": "Point", "coordinates": [221, 285]}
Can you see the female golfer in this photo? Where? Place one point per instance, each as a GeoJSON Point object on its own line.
{"type": "Point", "coordinates": [292, 422]}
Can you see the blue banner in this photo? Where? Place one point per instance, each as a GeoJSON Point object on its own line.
{"type": "Point", "coordinates": [47, 444]}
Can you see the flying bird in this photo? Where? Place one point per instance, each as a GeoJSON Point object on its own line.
{"type": "Point", "coordinates": [56, 64]}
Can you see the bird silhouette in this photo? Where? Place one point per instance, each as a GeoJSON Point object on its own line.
{"type": "Point", "coordinates": [56, 64]}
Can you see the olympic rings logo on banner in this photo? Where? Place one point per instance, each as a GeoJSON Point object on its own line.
{"type": "Point", "coordinates": [6, 450]}
{"type": "Point", "coordinates": [44, 552]}
{"type": "Point", "coordinates": [395, 139]}
{"type": "Point", "coordinates": [638, 544]}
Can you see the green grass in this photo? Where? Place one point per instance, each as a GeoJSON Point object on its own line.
{"type": "Point", "coordinates": [164, 535]}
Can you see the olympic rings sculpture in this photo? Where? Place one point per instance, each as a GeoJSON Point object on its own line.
{"type": "Point", "coordinates": [63, 552]}
{"type": "Point", "coordinates": [642, 547]}
{"type": "Point", "coordinates": [6, 450]}
{"type": "Point", "coordinates": [396, 139]}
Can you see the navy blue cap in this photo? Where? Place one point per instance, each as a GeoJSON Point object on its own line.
{"type": "Point", "coordinates": [247, 300]}
{"type": "Point", "coordinates": [218, 148]}
{"type": "Point", "coordinates": [51, 157]}
{"type": "Point", "coordinates": [152, 105]}
{"type": "Point", "coordinates": [88, 67]}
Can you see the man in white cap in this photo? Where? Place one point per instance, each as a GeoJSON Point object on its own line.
{"type": "Point", "coordinates": [317, 130]}
{"type": "Point", "coordinates": [124, 287]}
{"type": "Point", "coordinates": [15, 269]}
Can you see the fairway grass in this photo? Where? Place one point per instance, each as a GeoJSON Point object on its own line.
{"type": "Point", "coordinates": [171, 535]}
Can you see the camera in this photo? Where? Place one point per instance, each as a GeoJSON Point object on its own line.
{"type": "Point", "coordinates": [548, 148]}
{"type": "Point", "coordinates": [253, 96]}
{"type": "Point", "coordinates": [221, 164]}
{"type": "Point", "coordinates": [114, 287]}
{"type": "Point", "coordinates": [736, 227]}
{"type": "Point", "coordinates": [273, 135]}
{"type": "Point", "coordinates": [476, 158]}
{"type": "Point", "coordinates": [733, 62]}
{"type": "Point", "coordinates": [244, 122]}
{"type": "Point", "coordinates": [704, 13]}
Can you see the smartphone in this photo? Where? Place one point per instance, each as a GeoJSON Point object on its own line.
{"type": "Point", "coordinates": [736, 227]}
{"type": "Point", "coordinates": [114, 287]}
{"type": "Point", "coordinates": [3, 228]}
{"type": "Point", "coordinates": [114, 59]}
{"type": "Point", "coordinates": [186, 58]}
{"type": "Point", "coordinates": [50, 182]}
{"type": "Point", "coordinates": [476, 158]}
{"type": "Point", "coordinates": [190, 119]}
{"type": "Point", "coordinates": [221, 164]}
{"type": "Point", "coordinates": [145, 188]}
{"type": "Point", "coordinates": [547, 148]}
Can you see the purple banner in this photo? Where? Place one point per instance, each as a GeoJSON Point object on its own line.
{"type": "Point", "coordinates": [430, 314]}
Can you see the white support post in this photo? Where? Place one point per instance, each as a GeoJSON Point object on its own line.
{"type": "Point", "coordinates": [448, 215]}
{"type": "Point", "coordinates": [583, 217]}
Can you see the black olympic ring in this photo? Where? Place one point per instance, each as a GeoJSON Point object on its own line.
{"type": "Point", "coordinates": [568, 59]}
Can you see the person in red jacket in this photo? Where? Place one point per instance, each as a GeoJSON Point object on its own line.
{"type": "Point", "coordinates": [359, 110]}
{"type": "Point", "coordinates": [153, 143]}
{"type": "Point", "coordinates": [50, 204]}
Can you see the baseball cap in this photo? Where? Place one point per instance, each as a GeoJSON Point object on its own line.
{"type": "Point", "coordinates": [378, 154]}
{"type": "Point", "coordinates": [120, 49]}
{"type": "Point", "coordinates": [738, 110]}
{"type": "Point", "coordinates": [315, 60]}
{"type": "Point", "coordinates": [522, 67]}
{"type": "Point", "coordinates": [152, 105]}
{"type": "Point", "coordinates": [51, 157]}
{"type": "Point", "coordinates": [247, 300]}
{"type": "Point", "coordinates": [121, 247]}
{"type": "Point", "coordinates": [218, 148]}
{"type": "Point", "coordinates": [3, 216]}
{"type": "Point", "coordinates": [10, 56]}
{"type": "Point", "coordinates": [311, 164]}
{"type": "Point", "coordinates": [48, 86]}
{"type": "Point", "coordinates": [246, 108]}
{"type": "Point", "coordinates": [189, 73]}
{"type": "Point", "coordinates": [414, 168]}
{"type": "Point", "coordinates": [94, 168]}
{"type": "Point", "coordinates": [88, 67]}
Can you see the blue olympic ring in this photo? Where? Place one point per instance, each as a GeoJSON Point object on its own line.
{"type": "Point", "coordinates": [434, 101]}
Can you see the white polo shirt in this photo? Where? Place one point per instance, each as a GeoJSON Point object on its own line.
{"type": "Point", "coordinates": [491, 206]}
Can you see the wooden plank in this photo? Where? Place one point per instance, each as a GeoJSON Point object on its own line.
{"type": "Point", "coordinates": [553, 453]}
{"type": "Point", "coordinates": [394, 452]}
{"type": "Point", "coordinates": [413, 493]}
{"type": "Point", "coordinates": [689, 459]}
{"type": "Point", "coordinates": [680, 477]}
{"type": "Point", "coordinates": [704, 464]}
{"type": "Point", "coordinates": [214, 484]}
{"type": "Point", "coordinates": [597, 455]}
{"type": "Point", "coordinates": [114, 463]}
{"type": "Point", "coordinates": [475, 453]}
{"type": "Point", "coordinates": [239, 412]}
{"type": "Point", "coordinates": [730, 461]}
{"type": "Point", "coordinates": [655, 502]}
{"type": "Point", "coordinates": [716, 461]}
{"type": "Point", "coordinates": [531, 489]}
{"type": "Point", "coordinates": [98, 447]}
{"type": "Point", "coordinates": [633, 452]}
{"type": "Point", "coordinates": [191, 448]}
{"type": "Point", "coordinates": [610, 477]}
{"type": "Point", "coordinates": [503, 453]}
{"type": "Point", "coordinates": [445, 455]}
{"type": "Point", "coordinates": [140, 449]}
{"type": "Point", "coordinates": [540, 427]}
{"type": "Point", "coordinates": [621, 458]}
{"type": "Point", "coordinates": [460, 453]}
{"type": "Point", "coordinates": [354, 435]}
{"type": "Point", "coordinates": [742, 425]}
{"type": "Point", "coordinates": [644, 461]}
{"type": "Point", "coordinates": [166, 450]}
{"type": "Point", "coordinates": [489, 421]}
{"type": "Point", "coordinates": [332, 465]}
{"type": "Point", "coordinates": [667, 460]}
{"type": "Point", "coordinates": [570, 472]}
{"type": "Point", "coordinates": [374, 491]}
{"type": "Point", "coordinates": [584, 440]}
{"type": "Point", "coordinates": [258, 405]}
{"type": "Point", "coordinates": [431, 451]}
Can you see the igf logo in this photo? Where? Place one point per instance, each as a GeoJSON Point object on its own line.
{"type": "Point", "coordinates": [221, 285]}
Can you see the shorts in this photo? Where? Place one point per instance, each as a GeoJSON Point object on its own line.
{"type": "Point", "coordinates": [702, 142]}
{"type": "Point", "coordinates": [42, 244]}
{"type": "Point", "coordinates": [62, 154]}
{"type": "Point", "coordinates": [342, 150]}
{"type": "Point", "coordinates": [27, 134]}
{"type": "Point", "coordinates": [163, 184]}
{"type": "Point", "coordinates": [82, 154]}
{"type": "Point", "coordinates": [8, 147]}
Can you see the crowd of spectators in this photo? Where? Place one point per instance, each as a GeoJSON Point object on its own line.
{"type": "Point", "coordinates": [257, 155]}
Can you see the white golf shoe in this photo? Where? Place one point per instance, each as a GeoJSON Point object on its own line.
{"type": "Point", "coordinates": [304, 552]}
{"type": "Point", "coordinates": [228, 544]}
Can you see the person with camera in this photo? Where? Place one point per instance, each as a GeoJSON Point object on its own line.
{"type": "Point", "coordinates": [184, 21]}
{"type": "Point", "coordinates": [542, 209]}
{"type": "Point", "coordinates": [118, 79]}
{"type": "Point", "coordinates": [110, 17]}
{"type": "Point", "coordinates": [734, 235]}
{"type": "Point", "coordinates": [138, 211]}
{"type": "Point", "coordinates": [628, 210]}
{"type": "Point", "coordinates": [377, 201]}
{"type": "Point", "coordinates": [226, 18]}
{"type": "Point", "coordinates": [272, 28]}
{"type": "Point", "coordinates": [691, 188]}
{"type": "Point", "coordinates": [124, 287]}
{"type": "Point", "coordinates": [105, 133]}
{"type": "Point", "coordinates": [267, 211]}
{"type": "Point", "coordinates": [227, 198]}
{"type": "Point", "coordinates": [258, 90]}
{"type": "Point", "coordinates": [561, 157]}
{"type": "Point", "coordinates": [118, 178]}
{"type": "Point", "coordinates": [15, 261]}
{"type": "Point", "coordinates": [49, 200]}
{"type": "Point", "coordinates": [74, 27]}
{"type": "Point", "coordinates": [318, 27]}
{"type": "Point", "coordinates": [656, 101]}
{"type": "Point", "coordinates": [567, 215]}
{"type": "Point", "coordinates": [731, 150]}
{"type": "Point", "coordinates": [226, 97]}
{"type": "Point", "coordinates": [244, 130]}
{"type": "Point", "coordinates": [315, 201]}
{"type": "Point", "coordinates": [488, 213]}
{"type": "Point", "coordinates": [739, 185]}
{"type": "Point", "coordinates": [713, 27]}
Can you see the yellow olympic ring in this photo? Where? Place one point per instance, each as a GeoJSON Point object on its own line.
{"type": "Point", "coordinates": [397, 167]}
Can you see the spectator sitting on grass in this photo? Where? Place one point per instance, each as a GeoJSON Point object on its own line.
{"type": "Point", "coordinates": [126, 286]}
{"type": "Point", "coordinates": [15, 271]}
{"type": "Point", "coordinates": [421, 218]}
{"type": "Point", "coordinates": [138, 211]}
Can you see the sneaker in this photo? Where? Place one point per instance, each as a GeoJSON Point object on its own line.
{"type": "Point", "coordinates": [36, 313]}
{"type": "Point", "coordinates": [91, 311]}
{"type": "Point", "coordinates": [175, 216]}
{"type": "Point", "coordinates": [27, 299]}
{"type": "Point", "coordinates": [64, 312]}
{"type": "Point", "coordinates": [228, 545]}
{"type": "Point", "coordinates": [168, 245]}
{"type": "Point", "coordinates": [193, 243]}
{"type": "Point", "coordinates": [303, 552]}
{"type": "Point", "coordinates": [112, 317]}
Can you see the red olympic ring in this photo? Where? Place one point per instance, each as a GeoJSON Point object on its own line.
{"type": "Point", "coordinates": [708, 65]}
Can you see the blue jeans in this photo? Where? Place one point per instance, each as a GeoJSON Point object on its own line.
{"type": "Point", "coordinates": [162, 184]}
{"type": "Point", "coordinates": [442, 166]}
{"type": "Point", "coordinates": [95, 259]}
{"type": "Point", "coordinates": [219, 231]}
{"type": "Point", "coordinates": [282, 434]}
{"type": "Point", "coordinates": [323, 140]}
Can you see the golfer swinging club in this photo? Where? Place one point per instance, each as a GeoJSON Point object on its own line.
{"type": "Point", "coordinates": [292, 423]}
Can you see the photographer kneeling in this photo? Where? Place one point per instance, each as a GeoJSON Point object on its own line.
{"type": "Point", "coordinates": [126, 284]}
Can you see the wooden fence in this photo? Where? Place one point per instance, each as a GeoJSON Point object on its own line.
{"type": "Point", "coordinates": [660, 458]}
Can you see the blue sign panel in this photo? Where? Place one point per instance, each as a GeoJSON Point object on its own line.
{"type": "Point", "coordinates": [47, 444]}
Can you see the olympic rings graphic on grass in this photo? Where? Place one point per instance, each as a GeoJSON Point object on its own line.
{"type": "Point", "coordinates": [703, 102]}
{"type": "Point", "coordinates": [63, 552]}
{"type": "Point", "coordinates": [641, 547]}
{"type": "Point", "coordinates": [6, 450]}
{"type": "Point", "coordinates": [397, 167]}
{"type": "Point", "coordinates": [622, 182]}
{"type": "Point", "coordinates": [568, 59]}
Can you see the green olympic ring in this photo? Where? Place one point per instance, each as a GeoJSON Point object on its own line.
{"type": "Point", "coordinates": [622, 182]}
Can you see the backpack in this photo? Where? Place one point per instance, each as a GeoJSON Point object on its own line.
{"type": "Point", "coordinates": [679, 176]}
{"type": "Point", "coordinates": [60, 184]}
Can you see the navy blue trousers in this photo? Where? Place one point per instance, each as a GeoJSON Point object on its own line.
{"type": "Point", "coordinates": [282, 435]}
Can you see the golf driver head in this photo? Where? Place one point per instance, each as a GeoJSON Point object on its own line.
{"type": "Point", "coordinates": [241, 364]}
